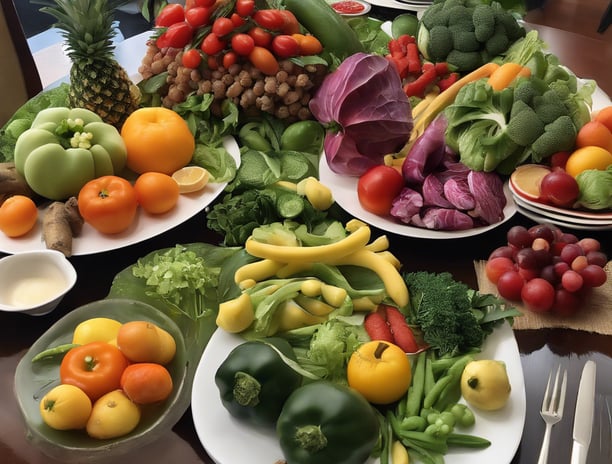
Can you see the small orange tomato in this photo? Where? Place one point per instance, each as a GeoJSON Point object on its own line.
{"type": "Point", "coordinates": [143, 341]}
{"type": "Point", "coordinates": [146, 383]}
{"type": "Point", "coordinates": [264, 60]}
{"type": "Point", "coordinates": [604, 116]}
{"type": "Point", "coordinates": [380, 371]}
{"type": "Point", "coordinates": [108, 204]}
{"type": "Point", "coordinates": [18, 215]}
{"type": "Point", "coordinates": [310, 45]}
{"type": "Point", "coordinates": [594, 133]}
{"type": "Point", "coordinates": [157, 139]}
{"type": "Point", "coordinates": [157, 193]}
{"type": "Point", "coordinates": [95, 368]}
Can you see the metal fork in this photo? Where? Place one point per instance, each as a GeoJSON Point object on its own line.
{"type": "Point", "coordinates": [552, 409]}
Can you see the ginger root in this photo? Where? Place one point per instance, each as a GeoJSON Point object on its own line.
{"type": "Point", "coordinates": [13, 183]}
{"type": "Point", "coordinates": [62, 222]}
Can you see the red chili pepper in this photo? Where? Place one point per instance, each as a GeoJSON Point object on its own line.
{"type": "Point", "coordinates": [377, 328]}
{"type": "Point", "coordinates": [418, 87]}
{"type": "Point", "coordinates": [447, 81]}
{"type": "Point", "coordinates": [395, 49]}
{"type": "Point", "coordinates": [414, 60]}
{"type": "Point", "coordinates": [402, 333]}
{"type": "Point", "coordinates": [442, 68]}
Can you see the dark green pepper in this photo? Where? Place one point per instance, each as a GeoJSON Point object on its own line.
{"type": "Point", "coordinates": [303, 136]}
{"type": "Point", "coordinates": [254, 381]}
{"type": "Point", "coordinates": [326, 423]}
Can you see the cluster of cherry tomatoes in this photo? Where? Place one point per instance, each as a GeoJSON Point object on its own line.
{"type": "Point", "coordinates": [547, 269]}
{"type": "Point", "coordinates": [223, 38]}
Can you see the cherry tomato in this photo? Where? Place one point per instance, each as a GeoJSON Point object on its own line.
{"type": "Point", "coordinates": [170, 14]}
{"type": "Point", "coordinates": [496, 267]}
{"type": "Point", "coordinates": [264, 60]}
{"type": "Point", "coordinates": [243, 44]}
{"type": "Point", "coordinates": [192, 58]}
{"type": "Point", "coordinates": [245, 7]}
{"type": "Point", "coordinates": [237, 20]}
{"type": "Point", "coordinates": [291, 24]}
{"type": "Point", "coordinates": [146, 383]}
{"type": "Point", "coordinates": [212, 44]}
{"type": "Point", "coordinates": [377, 188]}
{"type": "Point", "coordinates": [222, 26]}
{"type": "Point", "coordinates": [538, 294]}
{"type": "Point", "coordinates": [198, 16]}
{"type": "Point", "coordinates": [310, 45]}
{"type": "Point", "coordinates": [262, 38]}
{"type": "Point", "coordinates": [179, 34]}
{"type": "Point", "coordinates": [95, 368]}
{"type": "Point", "coordinates": [108, 204]}
{"type": "Point", "coordinates": [229, 59]}
{"type": "Point", "coordinates": [285, 46]}
{"type": "Point", "coordinates": [200, 3]}
{"type": "Point", "coordinates": [510, 284]}
{"type": "Point", "coordinates": [272, 20]}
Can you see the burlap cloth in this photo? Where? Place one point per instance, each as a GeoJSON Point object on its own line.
{"type": "Point", "coordinates": [595, 315]}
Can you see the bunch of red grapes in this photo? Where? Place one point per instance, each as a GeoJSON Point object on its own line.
{"type": "Point", "coordinates": [547, 269]}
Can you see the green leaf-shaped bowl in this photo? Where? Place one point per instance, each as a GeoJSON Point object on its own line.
{"type": "Point", "coordinates": [34, 379]}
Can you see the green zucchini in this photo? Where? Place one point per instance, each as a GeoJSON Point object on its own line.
{"type": "Point", "coordinates": [320, 19]}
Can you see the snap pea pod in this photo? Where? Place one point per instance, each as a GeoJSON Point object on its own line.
{"type": "Point", "coordinates": [414, 397]}
{"type": "Point", "coordinates": [53, 352]}
{"type": "Point", "coordinates": [467, 441]}
{"type": "Point", "coordinates": [446, 382]}
{"type": "Point", "coordinates": [429, 374]}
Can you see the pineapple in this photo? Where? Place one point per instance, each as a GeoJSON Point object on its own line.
{"type": "Point", "coordinates": [97, 81]}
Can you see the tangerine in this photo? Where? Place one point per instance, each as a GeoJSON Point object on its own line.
{"type": "Point", "coordinates": [18, 215]}
{"type": "Point", "coordinates": [156, 192]}
{"type": "Point", "coordinates": [594, 133]}
{"type": "Point", "coordinates": [604, 116]}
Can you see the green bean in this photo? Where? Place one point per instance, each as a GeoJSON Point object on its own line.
{"type": "Point", "coordinates": [413, 423]}
{"type": "Point", "coordinates": [53, 352]}
{"type": "Point", "coordinates": [432, 395]}
{"type": "Point", "coordinates": [416, 390]}
{"type": "Point", "coordinates": [412, 438]}
{"type": "Point", "coordinates": [467, 441]}
{"type": "Point", "coordinates": [429, 374]}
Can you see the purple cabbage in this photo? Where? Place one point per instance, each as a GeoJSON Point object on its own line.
{"type": "Point", "coordinates": [426, 153]}
{"type": "Point", "coordinates": [366, 112]}
{"type": "Point", "coordinates": [488, 191]}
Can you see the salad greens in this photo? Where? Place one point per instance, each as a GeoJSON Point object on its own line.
{"type": "Point", "coordinates": [595, 188]}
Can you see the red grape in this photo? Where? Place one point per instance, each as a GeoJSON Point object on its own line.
{"type": "Point", "coordinates": [570, 252]}
{"type": "Point", "coordinates": [559, 188]}
{"type": "Point", "coordinates": [579, 263]}
{"type": "Point", "coordinates": [548, 273]}
{"type": "Point", "coordinates": [561, 268]}
{"type": "Point", "coordinates": [502, 252]}
{"type": "Point", "coordinates": [510, 284]}
{"type": "Point", "coordinates": [497, 266]}
{"type": "Point", "coordinates": [597, 257]}
{"type": "Point", "coordinates": [589, 244]}
{"type": "Point", "coordinates": [542, 231]}
{"type": "Point", "coordinates": [526, 258]}
{"type": "Point", "coordinates": [538, 294]}
{"type": "Point", "coordinates": [572, 281]}
{"type": "Point", "coordinates": [519, 237]}
{"type": "Point", "coordinates": [540, 244]}
{"type": "Point", "coordinates": [566, 303]}
{"type": "Point", "coordinates": [593, 276]}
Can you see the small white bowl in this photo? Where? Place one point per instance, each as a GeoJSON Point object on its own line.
{"type": "Point", "coordinates": [34, 282]}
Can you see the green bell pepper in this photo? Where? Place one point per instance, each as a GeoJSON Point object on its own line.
{"type": "Point", "coordinates": [254, 381]}
{"type": "Point", "coordinates": [303, 136]}
{"type": "Point", "coordinates": [326, 423]}
{"type": "Point", "coordinates": [66, 148]}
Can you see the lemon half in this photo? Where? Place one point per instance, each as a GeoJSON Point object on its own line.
{"type": "Point", "coordinates": [191, 178]}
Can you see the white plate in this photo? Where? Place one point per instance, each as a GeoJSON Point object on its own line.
{"type": "Point", "coordinates": [219, 432]}
{"type": "Point", "coordinates": [366, 7]}
{"type": "Point", "coordinates": [540, 218]}
{"type": "Point", "coordinates": [560, 213]}
{"type": "Point", "coordinates": [145, 226]}
{"type": "Point", "coordinates": [344, 189]}
{"type": "Point", "coordinates": [418, 8]}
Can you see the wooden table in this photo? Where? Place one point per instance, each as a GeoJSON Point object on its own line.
{"type": "Point", "coordinates": [540, 349]}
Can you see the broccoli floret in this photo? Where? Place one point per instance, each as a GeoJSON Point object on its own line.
{"type": "Point", "coordinates": [442, 308]}
{"type": "Point", "coordinates": [498, 42]}
{"type": "Point", "coordinates": [484, 22]}
{"type": "Point", "coordinates": [502, 17]}
{"type": "Point", "coordinates": [435, 15]}
{"type": "Point", "coordinates": [527, 89]}
{"type": "Point", "coordinates": [524, 126]}
{"type": "Point", "coordinates": [464, 61]}
{"type": "Point", "coordinates": [460, 15]}
{"type": "Point", "coordinates": [440, 43]}
{"type": "Point", "coordinates": [464, 41]}
{"type": "Point", "coordinates": [559, 135]}
{"type": "Point", "coordinates": [549, 107]}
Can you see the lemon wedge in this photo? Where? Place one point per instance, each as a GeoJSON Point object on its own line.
{"type": "Point", "coordinates": [526, 179]}
{"type": "Point", "coordinates": [191, 178]}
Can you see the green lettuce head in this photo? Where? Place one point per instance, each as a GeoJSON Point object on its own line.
{"type": "Point", "coordinates": [595, 188]}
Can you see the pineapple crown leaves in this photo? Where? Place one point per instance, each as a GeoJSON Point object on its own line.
{"type": "Point", "coordinates": [86, 25]}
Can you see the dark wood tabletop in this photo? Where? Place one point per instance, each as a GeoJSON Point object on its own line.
{"type": "Point", "coordinates": [588, 56]}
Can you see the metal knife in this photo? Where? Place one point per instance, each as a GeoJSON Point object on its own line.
{"type": "Point", "coordinates": [583, 417]}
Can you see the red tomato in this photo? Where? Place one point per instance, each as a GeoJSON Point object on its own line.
{"type": "Point", "coordinates": [212, 44]}
{"type": "Point", "coordinates": [179, 34]}
{"type": "Point", "coordinates": [192, 58]}
{"type": "Point", "coordinates": [170, 14]}
{"type": "Point", "coordinates": [496, 267]}
{"type": "Point", "coordinates": [198, 16]}
{"type": "Point", "coordinates": [264, 60]}
{"type": "Point", "coordinates": [285, 46]}
{"type": "Point", "coordinates": [262, 38]}
{"type": "Point", "coordinates": [291, 26]}
{"type": "Point", "coordinates": [229, 59]}
{"type": "Point", "coordinates": [272, 20]}
{"type": "Point", "coordinates": [237, 20]}
{"type": "Point", "coordinates": [245, 7]}
{"type": "Point", "coordinates": [108, 204]}
{"type": "Point", "coordinates": [222, 26]}
{"type": "Point", "coordinates": [243, 44]}
{"type": "Point", "coordinates": [95, 368]}
{"type": "Point", "coordinates": [377, 188]}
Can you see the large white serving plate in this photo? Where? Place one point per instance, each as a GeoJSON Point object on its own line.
{"type": "Point", "coordinates": [219, 432]}
{"type": "Point", "coordinates": [344, 189]}
{"type": "Point", "coordinates": [146, 226]}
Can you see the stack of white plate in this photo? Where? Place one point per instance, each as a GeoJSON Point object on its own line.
{"type": "Point", "coordinates": [411, 5]}
{"type": "Point", "coordinates": [568, 218]}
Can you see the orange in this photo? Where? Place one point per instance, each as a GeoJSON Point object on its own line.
{"type": "Point", "coordinates": [584, 158]}
{"type": "Point", "coordinates": [594, 133]}
{"type": "Point", "coordinates": [604, 116]}
{"type": "Point", "coordinates": [146, 383]}
{"type": "Point", "coordinates": [18, 215]}
{"type": "Point", "coordinates": [157, 139]}
{"type": "Point", "coordinates": [526, 180]}
{"type": "Point", "coordinates": [157, 193]}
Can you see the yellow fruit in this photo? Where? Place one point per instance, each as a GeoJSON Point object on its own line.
{"type": "Point", "coordinates": [65, 407]}
{"type": "Point", "coordinates": [485, 384]}
{"type": "Point", "coordinates": [113, 415]}
{"type": "Point", "coordinates": [526, 180]}
{"type": "Point", "coordinates": [585, 158]}
{"type": "Point", "coordinates": [191, 178]}
{"type": "Point", "coordinates": [97, 329]}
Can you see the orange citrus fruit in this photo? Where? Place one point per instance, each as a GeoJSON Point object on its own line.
{"type": "Point", "coordinates": [604, 116]}
{"type": "Point", "coordinates": [191, 178]}
{"type": "Point", "coordinates": [526, 180]}
{"type": "Point", "coordinates": [594, 133]}
{"type": "Point", "coordinates": [157, 193]}
{"type": "Point", "coordinates": [18, 215]}
{"type": "Point", "coordinates": [591, 157]}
